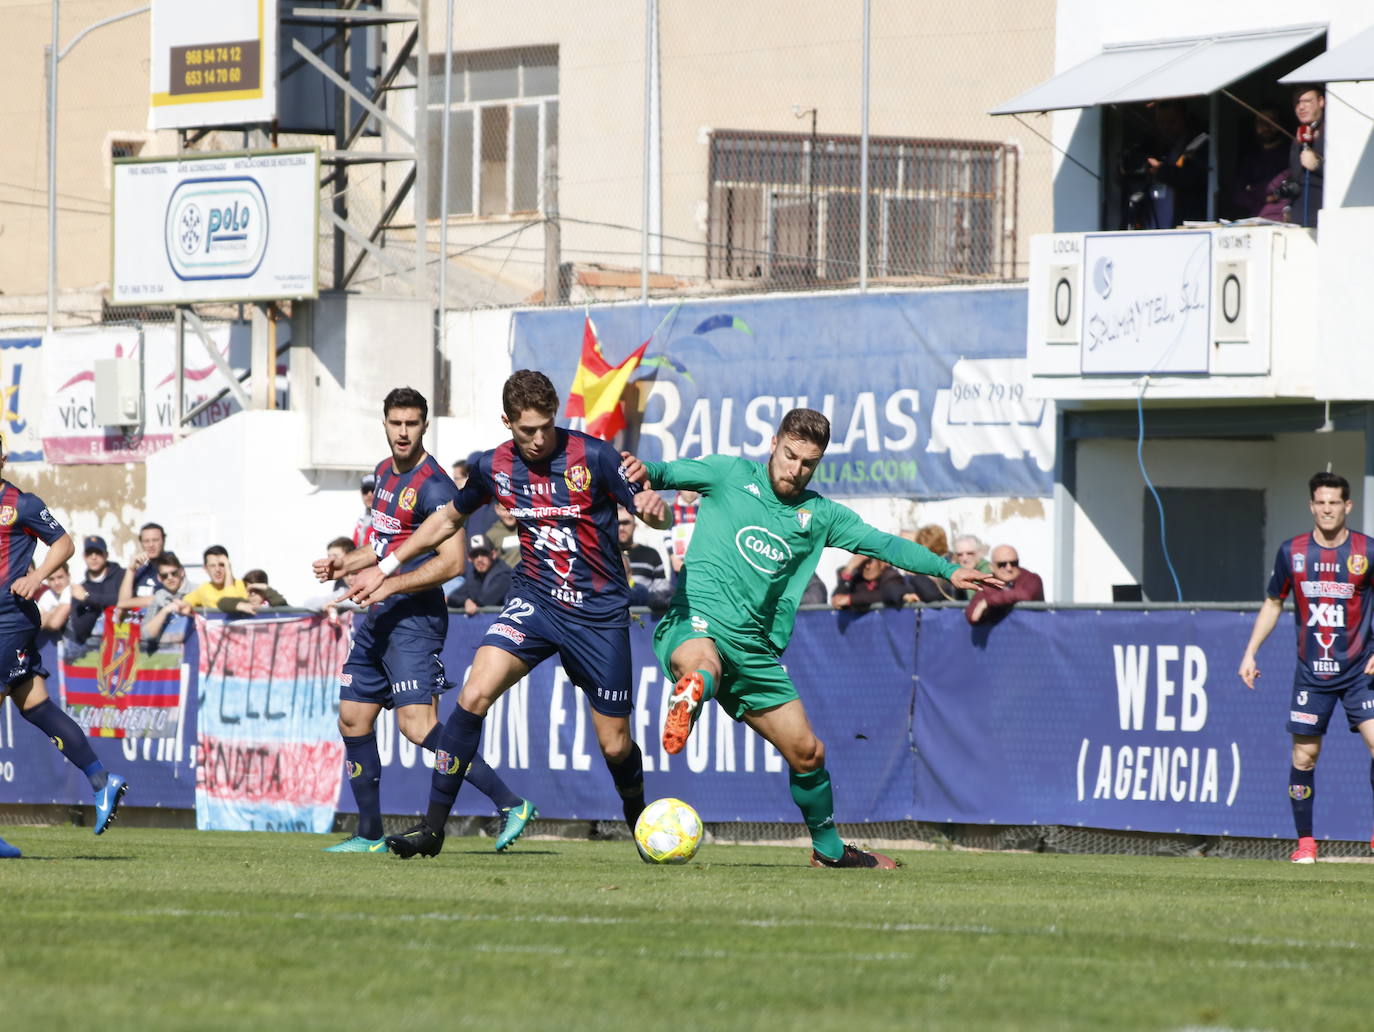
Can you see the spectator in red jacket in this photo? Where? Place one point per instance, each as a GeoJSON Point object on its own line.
{"type": "Point", "coordinates": [1022, 586]}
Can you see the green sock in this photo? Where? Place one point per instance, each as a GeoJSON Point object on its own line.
{"type": "Point", "coordinates": [708, 685]}
{"type": "Point", "coordinates": [811, 792]}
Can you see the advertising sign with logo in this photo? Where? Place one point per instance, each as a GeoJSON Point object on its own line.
{"type": "Point", "coordinates": [925, 391]}
{"type": "Point", "coordinates": [216, 227]}
{"type": "Point", "coordinates": [21, 380]}
{"type": "Point", "coordinates": [1146, 299]}
{"type": "Point", "coordinates": [213, 64]}
{"type": "Point", "coordinates": [70, 433]}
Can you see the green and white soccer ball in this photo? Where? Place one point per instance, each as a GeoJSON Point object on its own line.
{"type": "Point", "coordinates": [668, 832]}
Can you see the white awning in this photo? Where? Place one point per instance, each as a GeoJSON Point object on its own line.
{"type": "Point", "coordinates": [1127, 73]}
{"type": "Point", "coordinates": [1351, 61]}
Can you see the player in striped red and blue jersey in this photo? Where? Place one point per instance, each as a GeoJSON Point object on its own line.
{"type": "Point", "coordinates": [569, 596]}
{"type": "Point", "coordinates": [1328, 573]}
{"type": "Point", "coordinates": [24, 521]}
{"type": "Point", "coordinates": [394, 661]}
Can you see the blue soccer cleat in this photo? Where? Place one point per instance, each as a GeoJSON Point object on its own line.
{"type": "Point", "coordinates": [517, 819]}
{"type": "Point", "coordinates": [9, 852]}
{"type": "Point", "coordinates": [358, 844]}
{"type": "Point", "coordinates": [107, 802]}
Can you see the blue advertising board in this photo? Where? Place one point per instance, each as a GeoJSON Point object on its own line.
{"type": "Point", "coordinates": [926, 391]}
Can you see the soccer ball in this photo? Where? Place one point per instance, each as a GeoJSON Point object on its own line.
{"type": "Point", "coordinates": [668, 832]}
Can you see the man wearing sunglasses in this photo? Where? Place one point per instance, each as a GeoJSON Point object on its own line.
{"type": "Point", "coordinates": [990, 604]}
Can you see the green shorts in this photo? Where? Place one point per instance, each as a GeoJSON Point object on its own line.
{"type": "Point", "coordinates": [751, 676]}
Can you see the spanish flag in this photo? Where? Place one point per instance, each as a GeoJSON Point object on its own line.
{"type": "Point", "coordinates": [598, 385]}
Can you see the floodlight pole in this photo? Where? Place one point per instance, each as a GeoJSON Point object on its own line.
{"type": "Point", "coordinates": [55, 53]}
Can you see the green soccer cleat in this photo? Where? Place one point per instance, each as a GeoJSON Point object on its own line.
{"type": "Point", "coordinates": [517, 819]}
{"type": "Point", "coordinates": [358, 844]}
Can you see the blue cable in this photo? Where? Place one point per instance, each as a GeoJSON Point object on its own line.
{"type": "Point", "coordinates": [1140, 458]}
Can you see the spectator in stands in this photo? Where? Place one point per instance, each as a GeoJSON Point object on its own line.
{"type": "Point", "coordinates": [919, 586]}
{"type": "Point", "coordinates": [222, 580]}
{"type": "Point", "coordinates": [362, 529]}
{"type": "Point", "coordinates": [98, 591]}
{"type": "Point", "coordinates": [1179, 166]}
{"type": "Point", "coordinates": [1253, 195]}
{"type": "Point", "coordinates": [505, 535]}
{"type": "Point", "coordinates": [1022, 586]}
{"type": "Point", "coordinates": [260, 595]}
{"type": "Point", "coordinates": [461, 472]}
{"type": "Point", "coordinates": [169, 600]}
{"type": "Point", "coordinates": [55, 604]}
{"type": "Point", "coordinates": [972, 554]}
{"type": "Point", "coordinates": [1306, 156]}
{"type": "Point", "coordinates": [684, 520]}
{"type": "Point", "coordinates": [864, 582]}
{"type": "Point", "coordinates": [650, 584]}
{"type": "Point", "coordinates": [488, 579]}
{"type": "Point", "coordinates": [139, 584]}
{"type": "Point", "coordinates": [336, 550]}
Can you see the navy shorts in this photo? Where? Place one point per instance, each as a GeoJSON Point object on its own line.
{"type": "Point", "coordinates": [1310, 709]}
{"type": "Point", "coordinates": [395, 662]}
{"type": "Point", "coordinates": [19, 654]}
{"type": "Point", "coordinates": [597, 659]}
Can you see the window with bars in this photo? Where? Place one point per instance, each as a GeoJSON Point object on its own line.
{"type": "Point", "coordinates": [502, 119]}
{"type": "Point", "coordinates": [786, 206]}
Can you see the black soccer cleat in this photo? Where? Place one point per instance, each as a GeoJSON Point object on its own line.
{"type": "Point", "coordinates": [853, 857]}
{"type": "Point", "coordinates": [421, 840]}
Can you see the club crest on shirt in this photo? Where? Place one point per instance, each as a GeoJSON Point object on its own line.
{"type": "Point", "coordinates": [502, 479]}
{"type": "Point", "coordinates": [1299, 562]}
{"type": "Point", "coordinates": [578, 478]}
{"type": "Point", "coordinates": [804, 518]}
{"type": "Point", "coordinates": [1357, 564]}
{"type": "Point", "coordinates": [407, 499]}
{"type": "Point", "coordinates": [8, 514]}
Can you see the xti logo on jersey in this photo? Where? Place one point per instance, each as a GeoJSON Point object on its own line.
{"type": "Point", "coordinates": [565, 507]}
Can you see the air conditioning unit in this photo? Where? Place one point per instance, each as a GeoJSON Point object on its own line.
{"type": "Point", "coordinates": [118, 392]}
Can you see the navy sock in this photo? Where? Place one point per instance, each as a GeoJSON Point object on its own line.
{"type": "Point", "coordinates": [70, 740]}
{"type": "Point", "coordinates": [457, 746]}
{"type": "Point", "coordinates": [628, 776]}
{"type": "Point", "coordinates": [480, 775]}
{"type": "Point", "coordinates": [365, 778]}
{"type": "Point", "coordinates": [1300, 793]}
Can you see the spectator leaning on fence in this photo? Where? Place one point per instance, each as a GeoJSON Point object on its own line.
{"type": "Point", "coordinates": [98, 591]}
{"type": "Point", "coordinates": [971, 554]}
{"type": "Point", "coordinates": [923, 588]}
{"type": "Point", "coordinates": [1022, 586]}
{"type": "Point", "coordinates": [222, 581]}
{"type": "Point", "coordinates": [169, 600]}
{"type": "Point", "coordinates": [259, 595]}
{"type": "Point", "coordinates": [55, 604]}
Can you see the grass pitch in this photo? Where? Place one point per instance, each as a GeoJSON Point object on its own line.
{"type": "Point", "coordinates": [149, 929]}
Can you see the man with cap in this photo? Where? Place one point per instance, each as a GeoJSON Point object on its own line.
{"type": "Point", "coordinates": [97, 592]}
{"type": "Point", "coordinates": [363, 531]}
{"type": "Point", "coordinates": [488, 578]}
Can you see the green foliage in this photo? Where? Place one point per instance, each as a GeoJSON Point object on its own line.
{"type": "Point", "coordinates": [151, 930]}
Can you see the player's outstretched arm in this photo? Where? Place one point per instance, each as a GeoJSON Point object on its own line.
{"type": "Point", "coordinates": [447, 563]}
{"type": "Point", "coordinates": [1265, 621]}
{"type": "Point", "coordinates": [329, 568]}
{"type": "Point", "coordinates": [653, 510]}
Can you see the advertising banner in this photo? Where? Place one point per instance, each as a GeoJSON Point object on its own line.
{"type": "Point", "coordinates": [1119, 720]}
{"type": "Point", "coordinates": [216, 227]}
{"type": "Point", "coordinates": [213, 64]}
{"type": "Point", "coordinates": [270, 756]}
{"type": "Point", "coordinates": [70, 433]}
{"type": "Point", "coordinates": [937, 407]}
{"type": "Point", "coordinates": [21, 376]}
{"type": "Point", "coordinates": [1146, 302]}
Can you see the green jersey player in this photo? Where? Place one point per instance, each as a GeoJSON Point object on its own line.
{"type": "Point", "coordinates": [758, 536]}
